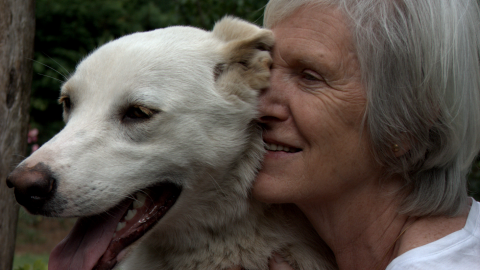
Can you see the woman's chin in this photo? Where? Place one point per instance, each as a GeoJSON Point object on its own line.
{"type": "Point", "coordinates": [267, 188]}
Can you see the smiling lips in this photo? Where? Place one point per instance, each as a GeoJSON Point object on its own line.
{"type": "Point", "coordinates": [278, 147]}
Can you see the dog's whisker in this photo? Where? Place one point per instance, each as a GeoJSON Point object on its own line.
{"type": "Point", "coordinates": [51, 77]}
{"type": "Point", "coordinates": [63, 75]}
{"type": "Point", "coordinates": [130, 196]}
{"type": "Point", "coordinates": [217, 185]}
{"type": "Point", "coordinates": [259, 19]}
{"type": "Point", "coordinates": [68, 73]}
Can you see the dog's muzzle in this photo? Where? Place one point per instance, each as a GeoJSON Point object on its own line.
{"type": "Point", "coordinates": [34, 186]}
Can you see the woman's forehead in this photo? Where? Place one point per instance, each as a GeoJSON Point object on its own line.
{"type": "Point", "coordinates": [319, 37]}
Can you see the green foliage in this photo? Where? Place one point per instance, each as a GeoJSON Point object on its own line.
{"type": "Point", "coordinates": [30, 262]}
{"type": "Point", "coordinates": [27, 231]}
{"type": "Point", "coordinates": [474, 180]}
{"type": "Point", "coordinates": [67, 30]}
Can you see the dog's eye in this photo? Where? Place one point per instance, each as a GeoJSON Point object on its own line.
{"type": "Point", "coordinates": [66, 102]}
{"type": "Point", "coordinates": [137, 112]}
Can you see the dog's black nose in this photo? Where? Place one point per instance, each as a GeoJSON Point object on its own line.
{"type": "Point", "coordinates": [33, 186]}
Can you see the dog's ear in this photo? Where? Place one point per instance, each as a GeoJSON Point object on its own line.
{"type": "Point", "coordinates": [247, 56]}
{"type": "Point", "coordinates": [233, 29]}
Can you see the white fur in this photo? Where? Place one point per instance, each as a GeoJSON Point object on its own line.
{"type": "Point", "coordinates": [203, 138]}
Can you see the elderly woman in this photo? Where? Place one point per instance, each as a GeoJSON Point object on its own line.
{"type": "Point", "coordinates": [372, 121]}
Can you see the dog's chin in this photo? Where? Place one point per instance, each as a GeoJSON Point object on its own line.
{"type": "Point", "coordinates": [100, 242]}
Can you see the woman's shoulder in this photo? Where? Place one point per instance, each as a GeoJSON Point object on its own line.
{"type": "Point", "coordinates": [459, 249]}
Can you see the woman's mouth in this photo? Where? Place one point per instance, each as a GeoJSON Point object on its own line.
{"type": "Point", "coordinates": [279, 147]}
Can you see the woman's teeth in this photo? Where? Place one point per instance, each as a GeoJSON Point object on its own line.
{"type": "Point", "coordinates": [276, 147]}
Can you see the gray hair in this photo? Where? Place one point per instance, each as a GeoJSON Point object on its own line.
{"type": "Point", "coordinates": [420, 67]}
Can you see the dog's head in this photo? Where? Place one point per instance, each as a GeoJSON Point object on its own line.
{"type": "Point", "coordinates": [150, 118]}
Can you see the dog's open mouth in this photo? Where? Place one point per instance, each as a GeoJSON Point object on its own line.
{"type": "Point", "coordinates": [97, 242]}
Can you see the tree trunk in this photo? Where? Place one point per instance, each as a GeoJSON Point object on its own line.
{"type": "Point", "coordinates": [17, 30]}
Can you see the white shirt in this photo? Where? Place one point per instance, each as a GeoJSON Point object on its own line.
{"type": "Point", "coordinates": [459, 250]}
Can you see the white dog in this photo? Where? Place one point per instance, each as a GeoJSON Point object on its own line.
{"type": "Point", "coordinates": [158, 155]}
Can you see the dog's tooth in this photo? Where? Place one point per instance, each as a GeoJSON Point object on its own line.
{"type": "Point", "coordinates": [139, 200]}
{"type": "Point", "coordinates": [130, 214]}
{"type": "Point", "coordinates": [273, 147]}
{"type": "Point", "coordinates": [280, 148]}
{"type": "Point", "coordinates": [121, 225]}
{"type": "Point", "coordinates": [286, 149]}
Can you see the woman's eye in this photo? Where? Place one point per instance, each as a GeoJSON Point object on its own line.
{"type": "Point", "coordinates": [137, 112]}
{"type": "Point", "coordinates": [311, 76]}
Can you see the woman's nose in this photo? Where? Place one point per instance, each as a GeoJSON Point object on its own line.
{"type": "Point", "coordinates": [273, 101]}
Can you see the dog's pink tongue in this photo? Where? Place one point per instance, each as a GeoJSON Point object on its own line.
{"type": "Point", "coordinates": [87, 241]}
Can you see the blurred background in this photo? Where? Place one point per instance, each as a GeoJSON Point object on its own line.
{"type": "Point", "coordinates": [66, 31]}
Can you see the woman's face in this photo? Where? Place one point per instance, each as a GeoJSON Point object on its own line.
{"type": "Point", "coordinates": [315, 107]}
